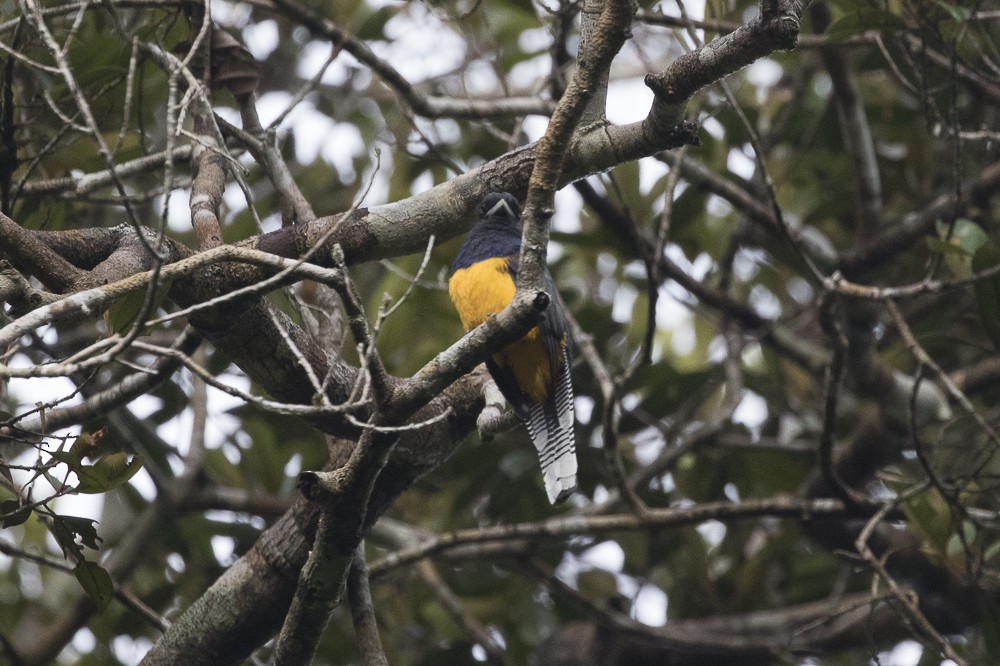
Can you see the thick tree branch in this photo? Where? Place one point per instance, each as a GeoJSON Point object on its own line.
{"type": "Point", "coordinates": [247, 604]}
{"type": "Point", "coordinates": [31, 255]}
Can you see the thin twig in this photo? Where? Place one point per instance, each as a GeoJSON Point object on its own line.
{"type": "Point", "coordinates": [908, 599]}
{"type": "Point", "coordinates": [650, 519]}
{"type": "Point", "coordinates": [941, 376]}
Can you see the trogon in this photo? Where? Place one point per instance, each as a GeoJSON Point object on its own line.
{"type": "Point", "coordinates": [533, 373]}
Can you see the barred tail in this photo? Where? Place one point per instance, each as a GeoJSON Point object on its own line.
{"type": "Point", "coordinates": [551, 429]}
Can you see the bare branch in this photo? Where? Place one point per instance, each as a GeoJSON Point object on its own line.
{"type": "Point", "coordinates": [363, 612]}
{"type": "Point", "coordinates": [650, 519]}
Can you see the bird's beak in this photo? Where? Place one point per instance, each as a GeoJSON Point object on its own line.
{"type": "Point", "coordinates": [496, 208]}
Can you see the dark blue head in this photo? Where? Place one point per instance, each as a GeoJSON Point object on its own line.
{"type": "Point", "coordinates": [496, 233]}
{"type": "Point", "coordinates": [499, 206]}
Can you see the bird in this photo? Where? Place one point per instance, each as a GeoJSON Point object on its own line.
{"type": "Point", "coordinates": [532, 373]}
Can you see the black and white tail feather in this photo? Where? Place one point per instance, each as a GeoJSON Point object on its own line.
{"type": "Point", "coordinates": [551, 429]}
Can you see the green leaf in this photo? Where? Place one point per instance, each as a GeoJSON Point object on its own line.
{"type": "Point", "coordinates": [221, 470]}
{"type": "Point", "coordinates": [58, 484]}
{"type": "Point", "coordinates": [86, 444]}
{"type": "Point", "coordinates": [862, 20]}
{"type": "Point", "coordinates": [107, 473]}
{"type": "Point", "coordinates": [123, 312]}
{"type": "Point", "coordinates": [957, 244]}
{"type": "Point", "coordinates": [929, 513]}
{"type": "Point", "coordinates": [14, 513]}
{"type": "Point", "coordinates": [665, 388]}
{"type": "Point", "coordinates": [959, 14]}
{"type": "Point", "coordinates": [5, 471]}
{"type": "Point", "coordinates": [372, 26]}
{"type": "Point", "coordinates": [991, 551]}
{"type": "Point", "coordinates": [597, 584]}
{"type": "Point", "coordinates": [65, 537]}
{"type": "Point", "coordinates": [988, 291]}
{"type": "Point", "coordinates": [991, 628]}
{"type": "Point", "coordinates": [969, 235]}
{"type": "Point", "coordinates": [67, 529]}
{"type": "Point", "coordinates": [944, 247]}
{"type": "Point", "coordinates": [96, 582]}
{"type": "Point", "coordinates": [70, 458]}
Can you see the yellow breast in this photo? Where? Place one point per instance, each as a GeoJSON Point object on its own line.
{"type": "Point", "coordinates": [484, 289]}
{"type": "Point", "coordinates": [481, 290]}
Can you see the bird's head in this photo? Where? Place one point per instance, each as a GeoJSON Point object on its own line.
{"type": "Point", "coordinates": [499, 205]}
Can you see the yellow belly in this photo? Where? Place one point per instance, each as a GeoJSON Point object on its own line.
{"type": "Point", "coordinates": [483, 290]}
{"type": "Point", "coordinates": [529, 361]}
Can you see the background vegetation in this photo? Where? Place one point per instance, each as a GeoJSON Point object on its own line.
{"type": "Point", "coordinates": [787, 315]}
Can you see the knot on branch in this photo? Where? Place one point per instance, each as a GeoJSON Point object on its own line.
{"type": "Point", "coordinates": [337, 256]}
{"type": "Point", "coordinates": [785, 29]}
{"type": "Point", "coordinates": [541, 301]}
{"type": "Point", "coordinates": [309, 485]}
{"type": "Point", "coordinates": [128, 233]}
{"type": "Point", "coordinates": [664, 92]}
{"type": "Point", "coordinates": [684, 133]}
{"type": "Point", "coordinates": [17, 292]}
{"type": "Point", "coordinates": [320, 486]}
